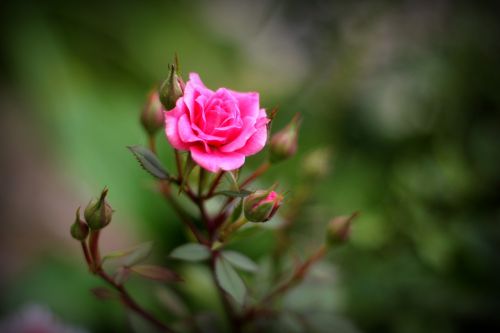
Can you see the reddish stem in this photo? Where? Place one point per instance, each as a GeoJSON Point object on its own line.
{"type": "Point", "coordinates": [86, 253]}
{"type": "Point", "coordinates": [94, 249]}
{"type": "Point", "coordinates": [214, 185]}
{"type": "Point", "coordinates": [129, 302]}
{"type": "Point", "coordinates": [298, 276]}
{"type": "Point", "coordinates": [165, 189]}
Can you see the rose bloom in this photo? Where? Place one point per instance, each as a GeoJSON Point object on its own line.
{"type": "Point", "coordinates": [220, 128]}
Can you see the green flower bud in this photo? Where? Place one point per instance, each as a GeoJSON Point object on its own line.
{"type": "Point", "coordinates": [317, 163]}
{"type": "Point", "coordinates": [171, 89]}
{"type": "Point", "coordinates": [284, 143]}
{"type": "Point", "coordinates": [152, 118]}
{"type": "Point", "coordinates": [261, 206]}
{"type": "Point", "coordinates": [79, 229]}
{"type": "Point", "coordinates": [98, 213]}
{"type": "Point", "coordinates": [339, 228]}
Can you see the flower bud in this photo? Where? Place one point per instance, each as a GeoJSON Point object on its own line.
{"type": "Point", "coordinates": [171, 89]}
{"type": "Point", "coordinates": [284, 142]}
{"type": "Point", "coordinates": [79, 229]}
{"type": "Point", "coordinates": [316, 164]}
{"type": "Point", "coordinates": [98, 212]}
{"type": "Point", "coordinates": [152, 116]}
{"type": "Point", "coordinates": [339, 228]}
{"type": "Point", "coordinates": [261, 206]}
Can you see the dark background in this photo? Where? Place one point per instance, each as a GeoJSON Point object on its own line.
{"type": "Point", "coordinates": [405, 94]}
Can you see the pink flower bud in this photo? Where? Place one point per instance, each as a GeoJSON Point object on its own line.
{"type": "Point", "coordinates": [339, 228]}
{"type": "Point", "coordinates": [284, 142]}
{"type": "Point", "coordinates": [261, 206]}
{"type": "Point", "coordinates": [152, 118]}
{"type": "Point", "coordinates": [98, 213]}
{"type": "Point", "coordinates": [79, 229]}
{"type": "Point", "coordinates": [171, 89]}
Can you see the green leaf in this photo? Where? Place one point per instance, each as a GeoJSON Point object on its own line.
{"type": "Point", "coordinates": [191, 252]}
{"type": "Point", "coordinates": [233, 179]}
{"type": "Point", "coordinates": [229, 280]}
{"type": "Point", "coordinates": [240, 261]}
{"type": "Point", "coordinates": [149, 162]}
{"type": "Point", "coordinates": [156, 273]}
{"type": "Point", "coordinates": [234, 194]}
{"type": "Point", "coordinates": [131, 256]}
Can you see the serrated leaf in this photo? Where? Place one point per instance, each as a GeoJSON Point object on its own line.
{"type": "Point", "coordinates": [234, 194]}
{"type": "Point", "coordinates": [229, 280]}
{"type": "Point", "coordinates": [103, 293]}
{"type": "Point", "coordinates": [191, 252]}
{"type": "Point", "coordinates": [156, 273]}
{"type": "Point", "coordinates": [131, 256]}
{"type": "Point", "coordinates": [240, 261]}
{"type": "Point", "coordinates": [149, 162]}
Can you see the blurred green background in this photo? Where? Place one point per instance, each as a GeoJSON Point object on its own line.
{"type": "Point", "coordinates": [405, 94]}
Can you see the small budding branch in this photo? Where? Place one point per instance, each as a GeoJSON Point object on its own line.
{"type": "Point", "coordinates": [212, 132]}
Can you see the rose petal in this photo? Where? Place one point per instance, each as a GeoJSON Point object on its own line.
{"type": "Point", "coordinates": [215, 160]}
{"type": "Point", "coordinates": [194, 78]}
{"type": "Point", "coordinates": [171, 120]}
{"type": "Point", "coordinates": [247, 131]}
{"type": "Point", "coordinates": [248, 103]}
{"type": "Point", "coordinates": [256, 142]}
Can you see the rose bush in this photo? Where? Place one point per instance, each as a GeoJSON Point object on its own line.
{"type": "Point", "coordinates": [219, 128]}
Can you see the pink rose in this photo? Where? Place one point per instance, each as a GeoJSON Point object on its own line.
{"type": "Point", "coordinates": [219, 128]}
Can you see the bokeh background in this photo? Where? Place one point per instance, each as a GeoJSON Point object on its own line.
{"type": "Point", "coordinates": [405, 94]}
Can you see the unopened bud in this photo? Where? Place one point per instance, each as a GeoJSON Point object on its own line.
{"type": "Point", "coordinates": [316, 164]}
{"type": "Point", "coordinates": [284, 143]}
{"type": "Point", "coordinates": [152, 116]}
{"type": "Point", "coordinates": [171, 89]}
{"type": "Point", "coordinates": [261, 206]}
{"type": "Point", "coordinates": [98, 212]}
{"type": "Point", "coordinates": [79, 229]}
{"type": "Point", "coordinates": [339, 228]}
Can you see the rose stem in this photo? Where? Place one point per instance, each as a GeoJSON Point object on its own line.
{"type": "Point", "coordinates": [233, 318]}
{"type": "Point", "coordinates": [94, 249]}
{"type": "Point", "coordinates": [214, 185]}
{"type": "Point", "coordinates": [178, 163]}
{"type": "Point", "coordinates": [298, 275]}
{"type": "Point", "coordinates": [129, 302]}
{"type": "Point", "coordinates": [257, 173]}
{"type": "Point", "coordinates": [152, 143]}
{"type": "Point", "coordinates": [125, 297]}
{"type": "Point", "coordinates": [165, 190]}
{"type": "Point", "coordinates": [86, 253]}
